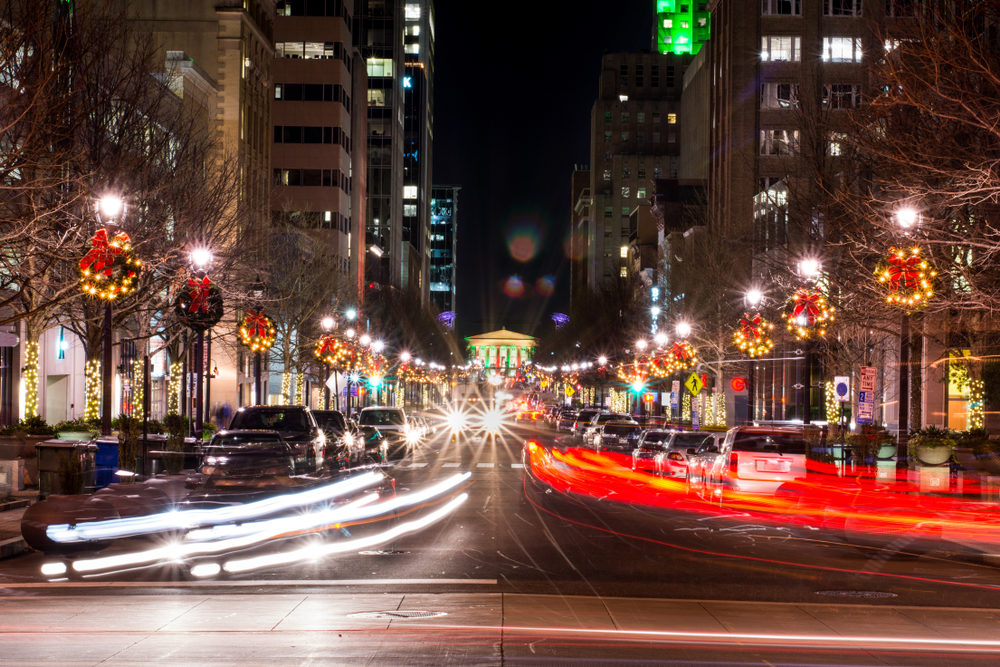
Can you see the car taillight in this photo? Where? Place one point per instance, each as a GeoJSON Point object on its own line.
{"type": "Point", "coordinates": [734, 462]}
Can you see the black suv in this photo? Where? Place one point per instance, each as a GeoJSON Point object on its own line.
{"type": "Point", "coordinates": [295, 424]}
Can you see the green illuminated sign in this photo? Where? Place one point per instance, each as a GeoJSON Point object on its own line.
{"type": "Point", "coordinates": [681, 26]}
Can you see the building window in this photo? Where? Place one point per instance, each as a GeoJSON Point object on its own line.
{"type": "Point", "coordinates": [842, 95]}
{"type": "Point", "coordinates": [641, 172]}
{"type": "Point", "coordinates": [640, 137]}
{"type": "Point", "coordinates": [624, 135]}
{"type": "Point", "coordinates": [656, 137]}
{"type": "Point", "coordinates": [623, 252]}
{"type": "Point", "coordinates": [779, 142]}
{"type": "Point", "coordinates": [781, 7]}
{"type": "Point", "coordinates": [607, 116]}
{"type": "Point", "coordinates": [640, 117]}
{"type": "Point", "coordinates": [775, 48]}
{"type": "Point", "coordinates": [836, 143]}
{"type": "Point", "coordinates": [638, 75]}
{"type": "Point", "coordinates": [624, 116]}
{"type": "Point", "coordinates": [842, 49]}
{"type": "Point", "coordinates": [775, 95]}
{"type": "Point", "coordinates": [409, 192]}
{"type": "Point", "coordinates": [842, 7]}
{"type": "Point", "coordinates": [623, 272]}
{"type": "Point", "coordinates": [379, 67]}
{"type": "Point", "coordinates": [626, 172]}
{"type": "Point", "coordinates": [377, 97]}
{"type": "Point", "coordinates": [900, 8]}
{"type": "Point", "coordinates": [608, 212]}
{"type": "Point", "coordinates": [626, 192]}
{"type": "Point", "coordinates": [625, 210]}
{"type": "Point", "coordinates": [410, 210]}
{"type": "Point", "coordinates": [640, 193]}
{"type": "Point", "coordinates": [606, 176]}
{"type": "Point", "coordinates": [623, 72]}
{"type": "Point", "coordinates": [671, 137]}
{"type": "Point", "coordinates": [671, 119]}
{"type": "Point", "coordinates": [607, 137]}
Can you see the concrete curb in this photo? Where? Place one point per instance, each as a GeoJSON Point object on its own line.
{"type": "Point", "coordinates": [13, 546]}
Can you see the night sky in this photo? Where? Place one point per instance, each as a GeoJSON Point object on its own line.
{"type": "Point", "coordinates": [513, 93]}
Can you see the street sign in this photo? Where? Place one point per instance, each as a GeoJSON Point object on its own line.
{"type": "Point", "coordinates": [695, 424]}
{"type": "Point", "coordinates": [868, 374]}
{"type": "Point", "coordinates": [738, 384]}
{"type": "Point", "coordinates": [694, 384]}
{"type": "Point", "coordinates": [569, 391]}
{"type": "Point", "coordinates": [866, 407]}
{"type": "Point", "coordinates": [8, 339]}
{"type": "Point", "coordinates": [331, 382]}
{"type": "Point", "coordinates": [842, 388]}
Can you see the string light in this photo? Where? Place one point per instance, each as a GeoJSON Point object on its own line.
{"type": "Point", "coordinates": [174, 388]}
{"type": "Point", "coordinates": [30, 376]}
{"type": "Point", "coordinates": [751, 337]}
{"type": "Point", "coordinates": [138, 386]}
{"type": "Point", "coordinates": [257, 332]}
{"type": "Point", "coordinates": [908, 276]}
{"type": "Point", "coordinates": [92, 389]}
{"type": "Point", "coordinates": [109, 270]}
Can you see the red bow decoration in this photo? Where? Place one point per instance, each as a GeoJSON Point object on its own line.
{"type": "Point", "coordinates": [903, 271]}
{"type": "Point", "coordinates": [751, 325]}
{"type": "Point", "coordinates": [256, 324]}
{"type": "Point", "coordinates": [101, 256]}
{"type": "Point", "coordinates": [807, 303]}
{"type": "Point", "coordinates": [327, 347]}
{"type": "Point", "coordinates": [199, 294]}
{"type": "Point", "coordinates": [680, 352]}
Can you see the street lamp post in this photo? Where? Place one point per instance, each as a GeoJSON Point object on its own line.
{"type": "Point", "coordinates": [201, 258]}
{"type": "Point", "coordinates": [753, 299]}
{"type": "Point", "coordinates": [110, 211]}
{"type": "Point", "coordinates": [810, 269]}
{"type": "Point", "coordinates": [328, 323]}
{"type": "Point", "coordinates": [257, 292]}
{"type": "Point", "coordinates": [906, 218]}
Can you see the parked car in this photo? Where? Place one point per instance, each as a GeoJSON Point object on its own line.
{"type": "Point", "coordinates": [582, 421]}
{"type": "Point", "coordinates": [295, 424]}
{"type": "Point", "coordinates": [617, 435]}
{"type": "Point", "coordinates": [673, 460]}
{"type": "Point", "coordinates": [246, 457]}
{"type": "Point", "coordinates": [602, 418]}
{"type": "Point", "coordinates": [753, 459]}
{"type": "Point", "coordinates": [652, 442]}
{"type": "Point", "coordinates": [344, 447]}
{"type": "Point", "coordinates": [565, 419]}
{"type": "Point", "coordinates": [391, 423]}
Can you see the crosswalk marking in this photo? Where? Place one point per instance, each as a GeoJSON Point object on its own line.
{"type": "Point", "coordinates": [452, 464]}
{"type": "Point", "coordinates": [517, 465]}
{"type": "Point", "coordinates": [484, 465]}
{"type": "Point", "coordinates": [419, 464]}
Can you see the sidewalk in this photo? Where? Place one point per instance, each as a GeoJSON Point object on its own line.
{"type": "Point", "coordinates": [11, 542]}
{"type": "Point", "coordinates": [222, 628]}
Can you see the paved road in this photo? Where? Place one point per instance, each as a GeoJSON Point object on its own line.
{"type": "Point", "coordinates": [535, 548]}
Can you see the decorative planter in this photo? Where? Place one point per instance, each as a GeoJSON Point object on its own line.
{"type": "Point", "coordinates": [933, 456]}
{"type": "Point", "coordinates": [76, 436]}
{"type": "Point", "coordinates": [886, 451]}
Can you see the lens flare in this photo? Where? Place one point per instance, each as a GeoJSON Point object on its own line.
{"type": "Point", "coordinates": [514, 287]}
{"type": "Point", "coordinates": [546, 285]}
{"type": "Point", "coordinates": [523, 241]}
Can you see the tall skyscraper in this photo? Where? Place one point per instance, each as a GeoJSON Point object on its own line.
{"type": "Point", "coordinates": [398, 46]}
{"type": "Point", "coordinates": [682, 26]}
{"type": "Point", "coordinates": [317, 119]}
{"type": "Point", "coordinates": [635, 137]}
{"type": "Point", "coordinates": [444, 246]}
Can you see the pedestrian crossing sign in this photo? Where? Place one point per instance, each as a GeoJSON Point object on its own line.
{"type": "Point", "coordinates": [694, 384]}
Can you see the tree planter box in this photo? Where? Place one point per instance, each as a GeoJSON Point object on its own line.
{"type": "Point", "coordinates": [933, 456]}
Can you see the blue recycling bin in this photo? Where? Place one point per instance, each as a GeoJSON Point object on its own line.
{"type": "Point", "coordinates": [105, 462]}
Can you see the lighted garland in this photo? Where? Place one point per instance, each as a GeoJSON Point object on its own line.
{"type": "Point", "coordinates": [109, 270]}
{"type": "Point", "coordinates": [92, 389]}
{"type": "Point", "coordinates": [908, 277]}
{"type": "Point", "coordinates": [257, 331]}
{"type": "Point", "coordinates": [138, 387]}
{"type": "Point", "coordinates": [174, 388]}
{"type": "Point", "coordinates": [331, 350]}
{"type": "Point", "coordinates": [751, 337]}
{"type": "Point", "coordinates": [809, 313]}
{"type": "Point", "coordinates": [199, 304]}
{"type": "Point", "coordinates": [30, 375]}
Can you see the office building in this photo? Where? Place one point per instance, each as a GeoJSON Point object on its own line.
{"type": "Point", "coordinates": [444, 246]}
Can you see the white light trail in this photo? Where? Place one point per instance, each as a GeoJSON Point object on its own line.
{"type": "Point", "coordinates": [186, 519]}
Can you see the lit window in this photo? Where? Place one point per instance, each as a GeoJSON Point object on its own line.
{"type": "Point", "coordinates": [842, 7]}
{"type": "Point", "coordinates": [607, 175]}
{"type": "Point", "coordinates": [623, 273]}
{"type": "Point", "coordinates": [775, 95]}
{"type": "Point", "coordinates": [685, 25]}
{"type": "Point", "coordinates": [640, 193]}
{"type": "Point", "coordinates": [409, 192]}
{"type": "Point", "coordinates": [836, 143]}
{"type": "Point", "coordinates": [623, 251]}
{"type": "Point", "coordinates": [626, 192]}
{"type": "Point", "coordinates": [410, 210]}
{"type": "Point", "coordinates": [412, 49]}
{"type": "Point", "coordinates": [671, 119]}
{"type": "Point", "coordinates": [622, 97]}
{"type": "Point", "coordinates": [379, 67]}
{"type": "Point", "coordinates": [780, 47]}
{"type": "Point", "coordinates": [781, 8]}
{"type": "Point", "coordinates": [779, 142]}
{"type": "Point", "coordinates": [327, 216]}
{"type": "Point", "coordinates": [842, 49]}
{"type": "Point", "coordinates": [842, 95]}
{"type": "Point", "coordinates": [412, 11]}
{"type": "Point", "coordinates": [668, 23]}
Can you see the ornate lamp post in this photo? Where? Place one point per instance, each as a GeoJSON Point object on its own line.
{"type": "Point", "coordinates": [328, 324]}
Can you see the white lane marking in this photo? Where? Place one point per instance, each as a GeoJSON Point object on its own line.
{"type": "Point", "coordinates": [517, 465]}
{"type": "Point", "coordinates": [484, 465]}
{"type": "Point", "coordinates": [419, 465]}
{"type": "Point", "coordinates": [452, 464]}
{"type": "Point", "coordinates": [238, 584]}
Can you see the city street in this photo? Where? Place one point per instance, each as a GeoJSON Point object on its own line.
{"type": "Point", "coordinates": [518, 549]}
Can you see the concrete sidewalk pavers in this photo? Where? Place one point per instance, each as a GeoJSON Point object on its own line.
{"type": "Point", "coordinates": [188, 627]}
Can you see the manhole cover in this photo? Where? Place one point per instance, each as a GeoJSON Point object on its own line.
{"type": "Point", "coordinates": [397, 614]}
{"type": "Point", "coordinates": [870, 595]}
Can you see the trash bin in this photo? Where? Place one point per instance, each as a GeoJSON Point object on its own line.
{"type": "Point", "coordinates": [105, 462]}
{"type": "Point", "coordinates": [64, 467]}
